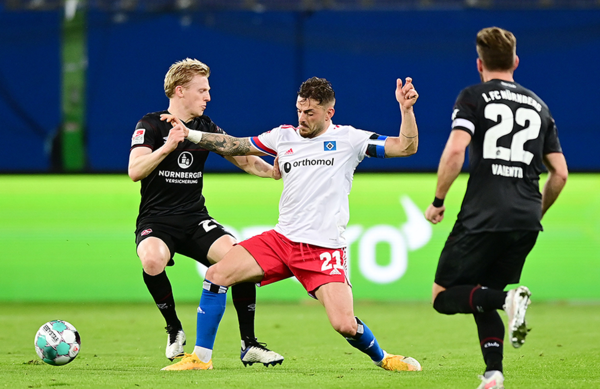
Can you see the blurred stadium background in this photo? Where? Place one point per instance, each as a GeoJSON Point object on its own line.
{"type": "Point", "coordinates": [75, 76]}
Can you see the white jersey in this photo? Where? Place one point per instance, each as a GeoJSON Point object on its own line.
{"type": "Point", "coordinates": [317, 177]}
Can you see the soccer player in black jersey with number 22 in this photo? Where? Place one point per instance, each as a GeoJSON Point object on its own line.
{"type": "Point", "coordinates": [511, 135]}
{"type": "Point", "coordinates": [172, 217]}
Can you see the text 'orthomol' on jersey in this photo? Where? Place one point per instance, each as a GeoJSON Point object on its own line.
{"type": "Point", "coordinates": [174, 187]}
{"type": "Point", "coordinates": [317, 177]}
{"type": "Point", "coordinates": [512, 129]}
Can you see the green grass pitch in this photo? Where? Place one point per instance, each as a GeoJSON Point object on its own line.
{"type": "Point", "coordinates": [123, 347]}
{"type": "Point", "coordinates": [68, 253]}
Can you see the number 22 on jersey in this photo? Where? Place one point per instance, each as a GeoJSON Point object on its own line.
{"type": "Point", "coordinates": [503, 115]}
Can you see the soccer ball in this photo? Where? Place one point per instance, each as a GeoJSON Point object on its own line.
{"type": "Point", "coordinates": [57, 342]}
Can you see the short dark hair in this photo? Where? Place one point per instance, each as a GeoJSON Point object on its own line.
{"type": "Point", "coordinates": [318, 89]}
{"type": "Point", "coordinates": [496, 48]}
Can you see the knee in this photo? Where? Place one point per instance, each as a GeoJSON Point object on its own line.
{"type": "Point", "coordinates": [216, 276]}
{"type": "Point", "coordinates": [211, 275]}
{"type": "Point", "coordinates": [346, 327]}
{"type": "Point", "coordinates": [153, 264]}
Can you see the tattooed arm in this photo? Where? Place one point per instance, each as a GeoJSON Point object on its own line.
{"type": "Point", "coordinates": [219, 143]}
{"type": "Point", "coordinates": [226, 144]}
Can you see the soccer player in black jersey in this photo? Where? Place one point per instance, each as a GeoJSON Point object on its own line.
{"type": "Point", "coordinates": [172, 217]}
{"type": "Point", "coordinates": [511, 135]}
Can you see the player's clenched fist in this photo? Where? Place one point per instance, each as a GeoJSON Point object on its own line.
{"type": "Point", "coordinates": [178, 133]}
{"type": "Point", "coordinates": [406, 95]}
{"type": "Point", "coordinates": [435, 214]}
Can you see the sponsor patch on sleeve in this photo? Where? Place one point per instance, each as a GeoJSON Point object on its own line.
{"type": "Point", "coordinates": [138, 137]}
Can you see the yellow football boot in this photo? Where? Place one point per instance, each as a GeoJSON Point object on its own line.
{"type": "Point", "coordinates": [399, 363]}
{"type": "Point", "coordinates": [190, 362]}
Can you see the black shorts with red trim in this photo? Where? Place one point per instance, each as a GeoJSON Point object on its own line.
{"type": "Point", "coordinates": [492, 259]}
{"type": "Point", "coordinates": [191, 236]}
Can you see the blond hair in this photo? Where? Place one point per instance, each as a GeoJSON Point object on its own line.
{"type": "Point", "coordinates": [496, 48]}
{"type": "Point", "coordinates": [182, 72]}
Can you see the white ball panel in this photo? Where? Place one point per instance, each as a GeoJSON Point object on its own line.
{"type": "Point", "coordinates": [61, 360]}
{"type": "Point", "coordinates": [68, 336]}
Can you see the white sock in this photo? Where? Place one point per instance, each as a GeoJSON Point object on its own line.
{"type": "Point", "coordinates": [204, 354]}
{"type": "Point", "coordinates": [488, 374]}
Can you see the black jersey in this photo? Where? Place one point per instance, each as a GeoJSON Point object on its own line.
{"type": "Point", "coordinates": [512, 129]}
{"type": "Point", "coordinates": [174, 187]}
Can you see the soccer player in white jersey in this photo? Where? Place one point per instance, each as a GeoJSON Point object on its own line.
{"type": "Point", "coordinates": [317, 160]}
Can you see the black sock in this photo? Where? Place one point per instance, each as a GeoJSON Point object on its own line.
{"type": "Point", "coordinates": [159, 287]}
{"type": "Point", "coordinates": [491, 338]}
{"type": "Point", "coordinates": [244, 301]}
{"type": "Point", "coordinates": [469, 299]}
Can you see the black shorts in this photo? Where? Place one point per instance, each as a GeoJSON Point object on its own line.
{"type": "Point", "coordinates": [492, 259]}
{"type": "Point", "coordinates": [191, 236]}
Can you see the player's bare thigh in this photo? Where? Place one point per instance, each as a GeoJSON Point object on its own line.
{"type": "Point", "coordinates": [154, 254]}
{"type": "Point", "coordinates": [220, 247]}
{"type": "Point", "coordinates": [337, 299]}
{"type": "Point", "coordinates": [236, 266]}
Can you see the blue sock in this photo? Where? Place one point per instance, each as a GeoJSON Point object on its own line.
{"type": "Point", "coordinates": [365, 341]}
{"type": "Point", "coordinates": [210, 313]}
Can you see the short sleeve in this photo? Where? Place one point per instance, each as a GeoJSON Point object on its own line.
{"type": "Point", "coordinates": [367, 143]}
{"type": "Point", "coordinates": [143, 135]}
{"type": "Point", "coordinates": [267, 141]}
{"type": "Point", "coordinates": [463, 116]}
{"type": "Point", "coordinates": [551, 142]}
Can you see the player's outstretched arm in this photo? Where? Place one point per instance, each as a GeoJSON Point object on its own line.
{"type": "Point", "coordinates": [557, 179]}
{"type": "Point", "coordinates": [451, 164]}
{"type": "Point", "coordinates": [256, 166]}
{"type": "Point", "coordinates": [219, 143]}
{"type": "Point", "coordinates": [407, 141]}
{"type": "Point", "coordinates": [224, 144]}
